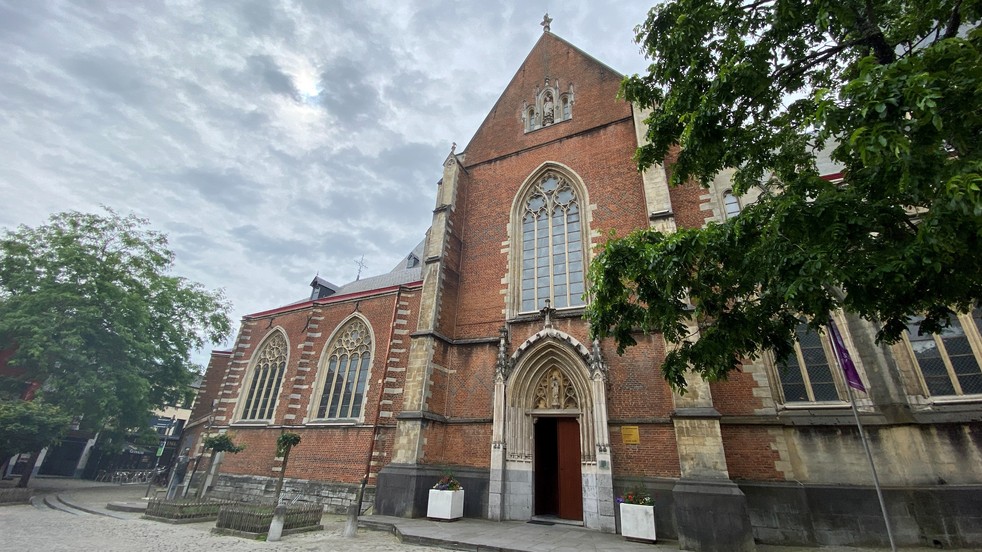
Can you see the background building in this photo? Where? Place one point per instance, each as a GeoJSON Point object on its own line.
{"type": "Point", "coordinates": [472, 356]}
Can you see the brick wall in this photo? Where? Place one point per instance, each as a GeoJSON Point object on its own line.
{"type": "Point", "coordinates": [751, 453]}
{"type": "Point", "coordinates": [595, 87]}
{"type": "Point", "coordinates": [656, 455]}
{"type": "Point", "coordinates": [211, 385]}
{"type": "Point", "coordinates": [329, 451]}
{"type": "Point", "coordinates": [736, 396]}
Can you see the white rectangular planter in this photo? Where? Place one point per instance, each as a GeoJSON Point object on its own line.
{"type": "Point", "coordinates": [638, 522]}
{"type": "Point", "coordinates": [445, 504]}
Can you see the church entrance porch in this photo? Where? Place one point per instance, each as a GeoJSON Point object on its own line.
{"type": "Point", "coordinates": [550, 453]}
{"type": "Point", "coordinates": [557, 474]}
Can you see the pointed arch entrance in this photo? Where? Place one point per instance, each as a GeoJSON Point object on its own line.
{"type": "Point", "coordinates": [550, 450]}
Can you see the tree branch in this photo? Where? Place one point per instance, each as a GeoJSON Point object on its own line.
{"type": "Point", "coordinates": [810, 62]}
{"type": "Point", "coordinates": [955, 21]}
{"type": "Point", "coordinates": [874, 36]}
{"type": "Point", "coordinates": [755, 5]}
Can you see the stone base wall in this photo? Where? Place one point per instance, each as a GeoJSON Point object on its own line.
{"type": "Point", "coordinates": [335, 497]}
{"type": "Point", "coordinates": [793, 514]}
{"type": "Point", "coordinates": [403, 489]}
{"type": "Point", "coordinates": [660, 490]}
{"type": "Point", "coordinates": [730, 529]}
{"type": "Point", "coordinates": [826, 515]}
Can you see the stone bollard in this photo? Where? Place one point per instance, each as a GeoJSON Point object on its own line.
{"type": "Point", "coordinates": [276, 527]}
{"type": "Point", "coordinates": [351, 526]}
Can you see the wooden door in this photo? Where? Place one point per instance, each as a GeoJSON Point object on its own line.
{"type": "Point", "coordinates": [570, 481]}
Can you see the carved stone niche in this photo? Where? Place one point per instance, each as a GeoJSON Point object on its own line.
{"type": "Point", "coordinates": [555, 392]}
{"type": "Point", "coordinates": [550, 105]}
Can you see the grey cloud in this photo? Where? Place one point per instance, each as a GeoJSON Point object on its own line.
{"type": "Point", "coordinates": [412, 164]}
{"type": "Point", "coordinates": [266, 245]}
{"type": "Point", "coordinates": [20, 92]}
{"type": "Point", "coordinates": [177, 112]}
{"type": "Point", "coordinates": [227, 187]}
{"type": "Point", "coordinates": [262, 19]}
{"type": "Point", "coordinates": [347, 94]}
{"type": "Point", "coordinates": [275, 79]}
{"type": "Point", "coordinates": [111, 73]}
{"type": "Point", "coordinates": [20, 18]}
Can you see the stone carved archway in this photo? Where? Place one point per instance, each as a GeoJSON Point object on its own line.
{"type": "Point", "coordinates": [552, 374]}
{"type": "Point", "coordinates": [550, 357]}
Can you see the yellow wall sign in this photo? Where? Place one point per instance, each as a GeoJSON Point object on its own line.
{"type": "Point", "coordinates": [630, 435]}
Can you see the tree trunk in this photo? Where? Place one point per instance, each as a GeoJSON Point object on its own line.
{"type": "Point", "coordinates": [279, 482]}
{"type": "Point", "coordinates": [29, 469]}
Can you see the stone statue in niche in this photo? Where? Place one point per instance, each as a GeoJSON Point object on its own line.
{"type": "Point", "coordinates": [548, 114]}
{"type": "Point", "coordinates": [555, 391]}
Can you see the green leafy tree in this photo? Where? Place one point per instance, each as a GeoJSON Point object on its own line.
{"type": "Point", "coordinates": [222, 442]}
{"type": "Point", "coordinates": [891, 90]}
{"type": "Point", "coordinates": [88, 303]}
{"type": "Point", "coordinates": [28, 426]}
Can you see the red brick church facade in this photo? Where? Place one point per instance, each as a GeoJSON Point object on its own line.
{"type": "Point", "coordinates": [456, 361]}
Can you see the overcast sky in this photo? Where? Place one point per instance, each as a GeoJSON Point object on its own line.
{"type": "Point", "coordinates": [270, 140]}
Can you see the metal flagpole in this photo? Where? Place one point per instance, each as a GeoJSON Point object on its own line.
{"type": "Point", "coordinates": [840, 355]}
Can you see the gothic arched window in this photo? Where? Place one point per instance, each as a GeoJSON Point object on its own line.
{"type": "Point", "coordinates": [346, 364]}
{"type": "Point", "coordinates": [949, 362]}
{"type": "Point", "coordinates": [731, 204]}
{"type": "Point", "coordinates": [552, 254]}
{"type": "Point", "coordinates": [808, 375]}
{"type": "Point", "coordinates": [267, 374]}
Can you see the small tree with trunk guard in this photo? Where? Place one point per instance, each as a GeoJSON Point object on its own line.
{"type": "Point", "coordinates": [284, 444]}
{"type": "Point", "coordinates": [219, 443]}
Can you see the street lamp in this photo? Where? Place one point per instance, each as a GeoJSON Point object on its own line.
{"type": "Point", "coordinates": [160, 452]}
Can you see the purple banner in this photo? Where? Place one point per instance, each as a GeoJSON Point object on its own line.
{"type": "Point", "coordinates": [845, 361]}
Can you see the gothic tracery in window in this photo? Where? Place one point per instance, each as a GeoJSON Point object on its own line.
{"type": "Point", "coordinates": [348, 363]}
{"type": "Point", "coordinates": [552, 246]}
{"type": "Point", "coordinates": [266, 378]}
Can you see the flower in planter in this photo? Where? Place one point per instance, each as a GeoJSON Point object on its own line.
{"type": "Point", "coordinates": [636, 496]}
{"type": "Point", "coordinates": [448, 483]}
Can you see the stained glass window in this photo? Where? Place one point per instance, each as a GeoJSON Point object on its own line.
{"type": "Point", "coordinates": [267, 375]}
{"type": "Point", "coordinates": [347, 364]}
{"type": "Point", "coordinates": [552, 246]}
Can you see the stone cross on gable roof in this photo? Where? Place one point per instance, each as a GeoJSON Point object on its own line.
{"type": "Point", "coordinates": [546, 20]}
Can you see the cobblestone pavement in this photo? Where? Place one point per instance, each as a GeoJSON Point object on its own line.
{"type": "Point", "coordinates": [56, 522]}
{"type": "Point", "coordinates": [39, 527]}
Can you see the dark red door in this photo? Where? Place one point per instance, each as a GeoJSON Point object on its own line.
{"type": "Point", "coordinates": [570, 482]}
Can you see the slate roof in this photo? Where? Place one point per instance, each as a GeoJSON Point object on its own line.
{"type": "Point", "coordinates": [398, 275]}
{"type": "Point", "coordinates": [323, 283]}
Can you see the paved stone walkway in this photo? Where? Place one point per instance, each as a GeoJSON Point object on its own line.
{"type": "Point", "coordinates": [38, 527]}
{"type": "Point", "coordinates": [71, 515]}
